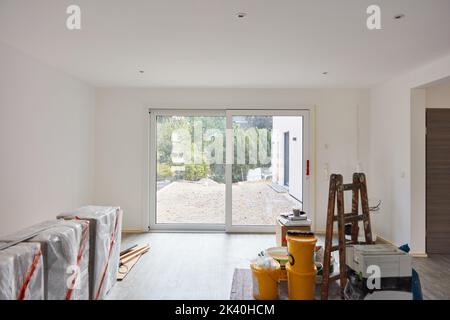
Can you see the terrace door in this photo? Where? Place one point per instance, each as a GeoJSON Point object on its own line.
{"type": "Point", "coordinates": [227, 170]}
{"type": "Point", "coordinates": [187, 170]}
{"type": "Point", "coordinates": [261, 160]}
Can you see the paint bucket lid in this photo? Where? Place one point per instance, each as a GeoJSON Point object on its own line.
{"type": "Point", "coordinates": [300, 233]}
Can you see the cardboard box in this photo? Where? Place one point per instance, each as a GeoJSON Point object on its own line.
{"type": "Point", "coordinates": [281, 231]}
{"type": "Point", "coordinates": [105, 225]}
{"type": "Point", "coordinates": [65, 251]}
{"type": "Point", "coordinates": [21, 272]}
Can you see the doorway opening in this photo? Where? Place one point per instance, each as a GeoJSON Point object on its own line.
{"type": "Point", "coordinates": [437, 182]}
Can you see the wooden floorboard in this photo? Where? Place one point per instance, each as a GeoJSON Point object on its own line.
{"type": "Point", "coordinates": [434, 273]}
{"type": "Point", "coordinates": [190, 266]}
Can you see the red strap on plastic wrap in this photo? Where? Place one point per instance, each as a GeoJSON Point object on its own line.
{"type": "Point", "coordinates": [29, 275]}
{"type": "Point", "coordinates": [111, 243]}
{"type": "Point", "coordinates": [84, 237]}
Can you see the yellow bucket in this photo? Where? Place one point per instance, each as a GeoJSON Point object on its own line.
{"type": "Point", "coordinates": [265, 282]}
{"type": "Point", "coordinates": [301, 269]}
{"type": "Point", "coordinates": [300, 285]}
{"type": "Point", "coordinates": [301, 251]}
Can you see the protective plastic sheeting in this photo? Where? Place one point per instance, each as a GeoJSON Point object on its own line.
{"type": "Point", "coordinates": [105, 235]}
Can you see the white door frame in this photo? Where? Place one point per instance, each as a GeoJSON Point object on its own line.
{"type": "Point", "coordinates": [304, 113]}
{"type": "Point", "coordinates": [228, 227]}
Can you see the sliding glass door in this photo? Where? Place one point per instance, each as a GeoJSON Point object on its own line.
{"type": "Point", "coordinates": [234, 171]}
{"type": "Point", "coordinates": [187, 170]}
{"type": "Point", "coordinates": [266, 168]}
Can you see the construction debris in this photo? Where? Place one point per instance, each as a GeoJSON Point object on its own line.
{"type": "Point", "coordinates": [129, 257]}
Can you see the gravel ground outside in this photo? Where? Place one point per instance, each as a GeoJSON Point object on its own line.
{"type": "Point", "coordinates": [254, 203]}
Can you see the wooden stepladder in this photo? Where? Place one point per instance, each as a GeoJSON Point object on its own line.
{"type": "Point", "coordinates": [336, 200]}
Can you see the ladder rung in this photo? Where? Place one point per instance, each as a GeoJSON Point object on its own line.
{"type": "Point", "coordinates": [335, 277]}
{"type": "Point", "coordinates": [350, 217]}
{"type": "Point", "coordinates": [336, 247]}
{"type": "Point", "coordinates": [354, 217]}
{"type": "Point", "coordinates": [350, 186]}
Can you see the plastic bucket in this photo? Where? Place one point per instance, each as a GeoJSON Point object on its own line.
{"type": "Point", "coordinates": [301, 251]}
{"type": "Point", "coordinates": [265, 283]}
{"type": "Point", "coordinates": [301, 286]}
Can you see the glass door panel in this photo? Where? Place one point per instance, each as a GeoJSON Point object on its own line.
{"type": "Point", "coordinates": [267, 170]}
{"type": "Point", "coordinates": [190, 170]}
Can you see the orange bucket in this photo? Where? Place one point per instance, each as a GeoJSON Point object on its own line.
{"type": "Point", "coordinates": [265, 282]}
{"type": "Point", "coordinates": [301, 286]}
{"type": "Point", "coordinates": [301, 269]}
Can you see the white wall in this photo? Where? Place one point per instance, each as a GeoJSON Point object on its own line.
{"type": "Point", "coordinates": [46, 141]}
{"type": "Point", "coordinates": [438, 96]}
{"type": "Point", "coordinates": [418, 130]}
{"type": "Point", "coordinates": [294, 126]}
{"type": "Point", "coordinates": [393, 154]}
{"type": "Point", "coordinates": [121, 122]}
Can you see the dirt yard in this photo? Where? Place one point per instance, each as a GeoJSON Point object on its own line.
{"type": "Point", "coordinates": [254, 203]}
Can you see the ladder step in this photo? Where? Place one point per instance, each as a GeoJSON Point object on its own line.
{"type": "Point", "coordinates": [336, 247]}
{"type": "Point", "coordinates": [349, 217]}
{"type": "Point", "coordinates": [351, 186]}
{"type": "Point", "coordinates": [354, 217]}
{"type": "Point", "coordinates": [335, 277]}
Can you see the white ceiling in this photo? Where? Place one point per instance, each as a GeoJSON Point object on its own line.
{"type": "Point", "coordinates": [201, 43]}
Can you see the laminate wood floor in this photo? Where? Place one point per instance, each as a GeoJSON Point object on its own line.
{"type": "Point", "coordinates": [187, 266]}
{"type": "Point", "coordinates": [434, 273]}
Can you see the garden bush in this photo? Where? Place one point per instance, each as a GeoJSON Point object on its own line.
{"type": "Point", "coordinates": [163, 170]}
{"type": "Point", "coordinates": [195, 172]}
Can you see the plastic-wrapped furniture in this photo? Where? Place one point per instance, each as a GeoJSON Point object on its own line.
{"type": "Point", "coordinates": [65, 248]}
{"type": "Point", "coordinates": [105, 225]}
{"type": "Point", "coordinates": [21, 272]}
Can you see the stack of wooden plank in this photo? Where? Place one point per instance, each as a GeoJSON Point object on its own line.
{"type": "Point", "coordinates": [129, 257]}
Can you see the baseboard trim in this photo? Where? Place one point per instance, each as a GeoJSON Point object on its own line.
{"type": "Point", "coordinates": [412, 254]}
{"type": "Point", "coordinates": [419, 254]}
{"type": "Point", "coordinates": [132, 231]}
{"type": "Point", "coordinates": [380, 239]}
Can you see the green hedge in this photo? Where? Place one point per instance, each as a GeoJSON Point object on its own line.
{"type": "Point", "coordinates": [195, 172]}
{"type": "Point", "coordinates": [163, 170]}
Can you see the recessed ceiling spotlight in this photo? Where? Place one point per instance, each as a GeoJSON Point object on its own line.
{"type": "Point", "coordinates": [325, 73]}
{"type": "Point", "coordinates": [241, 15]}
{"type": "Point", "coordinates": [399, 16]}
{"type": "Point", "coordinates": [141, 71]}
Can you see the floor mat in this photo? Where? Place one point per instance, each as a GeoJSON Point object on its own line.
{"type": "Point", "coordinates": [242, 287]}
